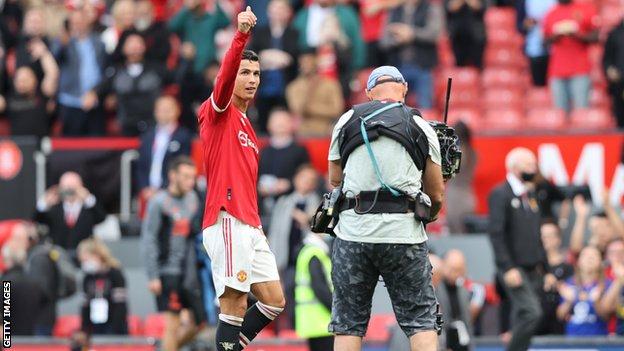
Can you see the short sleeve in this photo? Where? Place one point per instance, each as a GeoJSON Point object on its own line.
{"type": "Point", "coordinates": [432, 138]}
{"type": "Point", "coordinates": [334, 147]}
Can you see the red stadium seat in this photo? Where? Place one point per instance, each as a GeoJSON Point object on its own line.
{"type": "Point", "coordinates": [65, 326]}
{"type": "Point", "coordinates": [546, 119]}
{"type": "Point", "coordinates": [538, 98]}
{"type": "Point", "coordinates": [599, 99]}
{"type": "Point", "coordinates": [154, 325]}
{"type": "Point", "coordinates": [504, 119]}
{"type": "Point", "coordinates": [464, 98]}
{"type": "Point", "coordinates": [471, 117]}
{"type": "Point", "coordinates": [135, 325]}
{"type": "Point", "coordinates": [497, 99]}
{"type": "Point", "coordinates": [500, 17]}
{"type": "Point", "coordinates": [504, 57]}
{"type": "Point", "coordinates": [379, 327]}
{"type": "Point", "coordinates": [503, 78]}
{"type": "Point", "coordinates": [462, 77]}
{"type": "Point", "coordinates": [505, 38]}
{"type": "Point", "coordinates": [591, 118]}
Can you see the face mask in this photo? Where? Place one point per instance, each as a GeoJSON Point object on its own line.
{"type": "Point", "coordinates": [90, 267]}
{"type": "Point", "coordinates": [527, 177]}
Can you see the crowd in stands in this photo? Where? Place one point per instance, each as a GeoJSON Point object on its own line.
{"type": "Point", "coordinates": [94, 68]}
{"type": "Point", "coordinates": [142, 68]}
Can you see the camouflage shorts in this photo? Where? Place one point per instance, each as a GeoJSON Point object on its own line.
{"type": "Point", "coordinates": [406, 272]}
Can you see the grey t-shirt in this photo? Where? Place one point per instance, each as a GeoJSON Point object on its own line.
{"type": "Point", "coordinates": [180, 212]}
{"type": "Point", "coordinates": [398, 171]}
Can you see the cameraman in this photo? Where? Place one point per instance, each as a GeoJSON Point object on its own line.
{"type": "Point", "coordinates": [378, 234]}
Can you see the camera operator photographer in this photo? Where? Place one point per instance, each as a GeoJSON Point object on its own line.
{"type": "Point", "coordinates": [381, 155]}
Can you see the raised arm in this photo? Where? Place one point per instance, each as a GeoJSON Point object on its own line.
{"type": "Point", "coordinates": [226, 78]}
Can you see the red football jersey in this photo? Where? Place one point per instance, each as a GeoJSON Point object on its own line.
{"type": "Point", "coordinates": [230, 147]}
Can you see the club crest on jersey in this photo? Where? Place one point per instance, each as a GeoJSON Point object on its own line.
{"type": "Point", "coordinates": [227, 345]}
{"type": "Point", "coordinates": [241, 276]}
{"type": "Point", "coordinates": [244, 140]}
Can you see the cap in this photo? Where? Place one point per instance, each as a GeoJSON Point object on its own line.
{"type": "Point", "coordinates": [378, 72]}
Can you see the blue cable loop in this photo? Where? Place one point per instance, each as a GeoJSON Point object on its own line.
{"type": "Point", "coordinates": [393, 191]}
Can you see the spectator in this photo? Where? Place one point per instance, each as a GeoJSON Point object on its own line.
{"type": "Point", "coordinates": [570, 28]}
{"type": "Point", "coordinates": [614, 256]}
{"type": "Point", "coordinates": [276, 44]}
{"type": "Point", "coordinates": [160, 145]}
{"type": "Point", "coordinates": [313, 292]}
{"type": "Point", "coordinates": [40, 267]}
{"type": "Point", "coordinates": [196, 25]}
{"type": "Point", "coordinates": [327, 22]}
{"type": "Point", "coordinates": [411, 37]}
{"type": "Point", "coordinates": [455, 299]}
{"type": "Point", "coordinates": [530, 15]}
{"type": "Point", "coordinates": [316, 99]}
{"type": "Point", "coordinates": [27, 297]}
{"type": "Point", "coordinates": [34, 29]}
{"type": "Point", "coordinates": [82, 60]}
{"type": "Point", "coordinates": [373, 17]}
{"type": "Point", "coordinates": [613, 300]}
{"type": "Point", "coordinates": [124, 14]}
{"type": "Point", "coordinates": [136, 85]}
{"type": "Point", "coordinates": [581, 306]}
{"type": "Point", "coordinates": [29, 107]}
{"type": "Point", "coordinates": [460, 197]}
{"type": "Point", "coordinates": [515, 236]}
{"type": "Point", "coordinates": [155, 33]}
{"type": "Point", "coordinates": [604, 226]}
{"type": "Point", "coordinates": [69, 211]}
{"type": "Point", "coordinates": [167, 248]}
{"type": "Point", "coordinates": [279, 160]}
{"type": "Point", "coordinates": [466, 30]}
{"type": "Point", "coordinates": [559, 270]}
{"type": "Point", "coordinates": [104, 310]}
{"type": "Point", "coordinates": [613, 66]}
{"type": "Point", "coordinates": [290, 220]}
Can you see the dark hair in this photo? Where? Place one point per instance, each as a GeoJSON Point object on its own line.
{"type": "Point", "coordinates": [599, 214]}
{"type": "Point", "coordinates": [174, 165]}
{"type": "Point", "coordinates": [250, 55]}
{"type": "Point", "coordinates": [304, 167]}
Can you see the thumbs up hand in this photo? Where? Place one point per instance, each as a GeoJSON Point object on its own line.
{"type": "Point", "coordinates": [246, 20]}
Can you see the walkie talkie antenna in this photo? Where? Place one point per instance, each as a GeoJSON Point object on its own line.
{"type": "Point", "coordinates": [449, 83]}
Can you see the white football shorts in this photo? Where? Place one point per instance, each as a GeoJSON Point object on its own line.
{"type": "Point", "coordinates": [240, 254]}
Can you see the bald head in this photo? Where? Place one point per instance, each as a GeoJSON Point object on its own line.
{"type": "Point", "coordinates": [388, 90]}
{"type": "Point", "coordinates": [21, 235]}
{"type": "Point", "coordinates": [70, 180]}
{"type": "Point", "coordinates": [521, 160]}
{"type": "Point", "coordinates": [454, 266]}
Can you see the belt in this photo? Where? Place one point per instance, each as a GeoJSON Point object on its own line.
{"type": "Point", "coordinates": [378, 202]}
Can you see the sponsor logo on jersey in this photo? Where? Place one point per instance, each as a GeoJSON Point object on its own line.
{"type": "Point", "coordinates": [245, 141]}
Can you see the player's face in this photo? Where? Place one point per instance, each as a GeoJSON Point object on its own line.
{"type": "Point", "coordinates": [247, 80]}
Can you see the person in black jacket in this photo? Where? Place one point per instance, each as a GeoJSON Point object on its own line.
{"type": "Point", "coordinates": [160, 144]}
{"type": "Point", "coordinates": [613, 66]}
{"type": "Point", "coordinates": [278, 161]}
{"type": "Point", "coordinates": [467, 31]}
{"type": "Point", "coordinates": [27, 297]}
{"type": "Point", "coordinates": [104, 310]}
{"type": "Point", "coordinates": [69, 211]}
{"type": "Point", "coordinates": [276, 44]}
{"type": "Point", "coordinates": [136, 84]}
{"type": "Point", "coordinates": [42, 270]}
{"type": "Point", "coordinates": [515, 235]}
